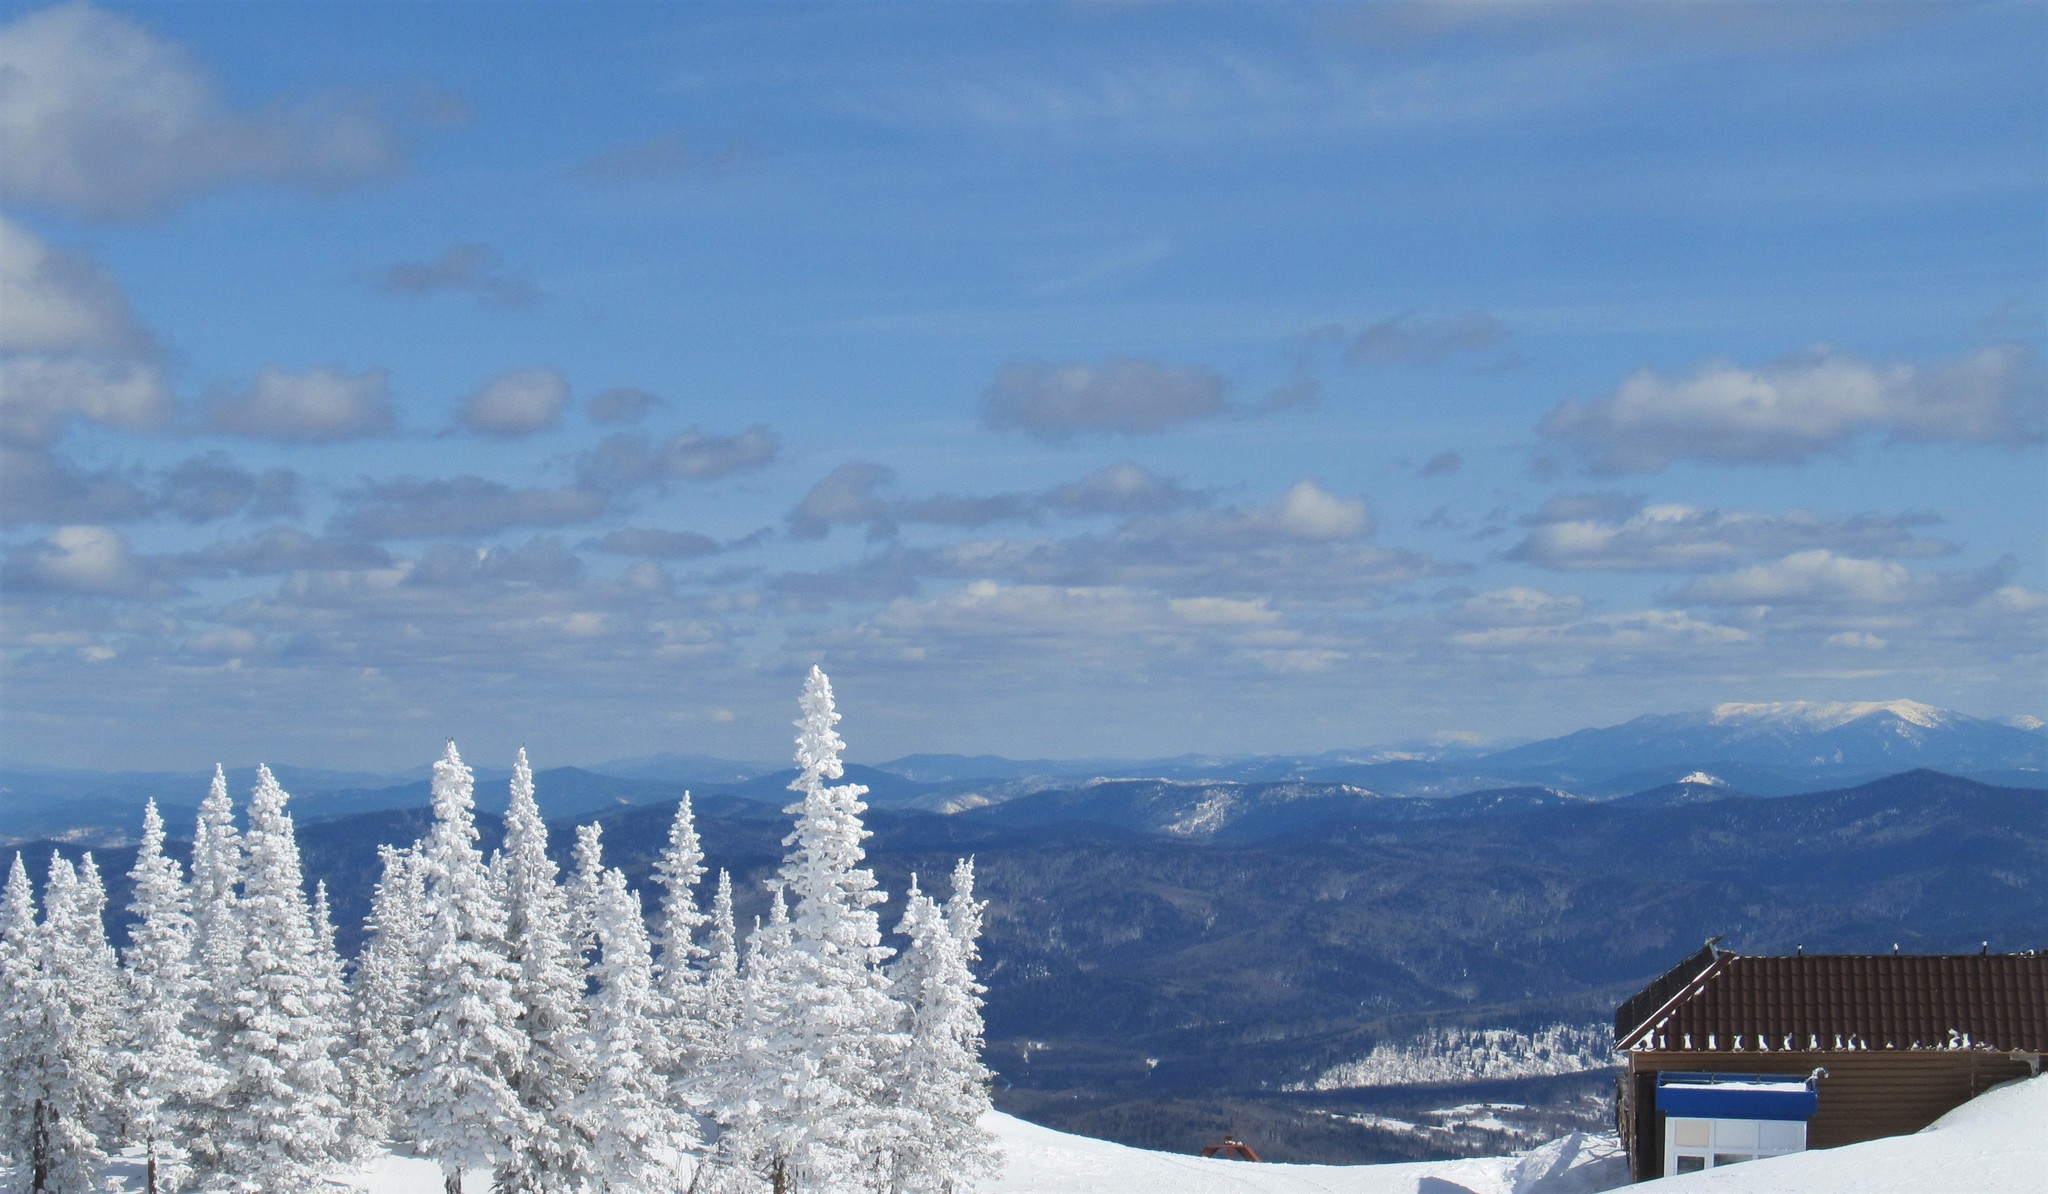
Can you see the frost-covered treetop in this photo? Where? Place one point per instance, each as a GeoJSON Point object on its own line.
{"type": "Point", "coordinates": [522, 780]}
{"type": "Point", "coordinates": [267, 801]}
{"type": "Point", "coordinates": [817, 744]}
{"type": "Point", "coordinates": [455, 801]}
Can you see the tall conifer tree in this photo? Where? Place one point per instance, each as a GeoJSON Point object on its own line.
{"type": "Point", "coordinates": [66, 1086]}
{"type": "Point", "coordinates": [460, 1096]}
{"type": "Point", "coordinates": [838, 1023]}
{"type": "Point", "coordinates": [549, 993]}
{"type": "Point", "coordinates": [384, 997]}
{"type": "Point", "coordinates": [283, 1120]}
{"type": "Point", "coordinates": [941, 1088]}
{"type": "Point", "coordinates": [160, 1071]}
{"type": "Point", "coordinates": [625, 1107]}
{"type": "Point", "coordinates": [217, 949]}
{"type": "Point", "coordinates": [23, 1032]}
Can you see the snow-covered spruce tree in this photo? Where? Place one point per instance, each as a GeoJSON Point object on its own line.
{"type": "Point", "coordinates": [283, 1121]}
{"type": "Point", "coordinates": [22, 1035]}
{"type": "Point", "coordinates": [837, 1022]}
{"type": "Point", "coordinates": [384, 996]}
{"type": "Point", "coordinates": [624, 1108]}
{"type": "Point", "coordinates": [159, 1072]}
{"type": "Point", "coordinates": [941, 1087]}
{"type": "Point", "coordinates": [330, 973]}
{"type": "Point", "coordinates": [722, 995]}
{"type": "Point", "coordinates": [92, 982]}
{"type": "Point", "coordinates": [710, 1090]}
{"type": "Point", "coordinates": [217, 953]}
{"type": "Point", "coordinates": [747, 1087]}
{"type": "Point", "coordinates": [329, 970]}
{"type": "Point", "coordinates": [64, 1084]}
{"type": "Point", "coordinates": [50, 1096]}
{"type": "Point", "coordinates": [459, 1095]}
{"type": "Point", "coordinates": [548, 990]}
{"type": "Point", "coordinates": [964, 912]}
{"type": "Point", "coordinates": [588, 855]}
{"type": "Point", "coordinates": [688, 1038]}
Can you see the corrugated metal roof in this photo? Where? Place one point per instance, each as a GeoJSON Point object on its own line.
{"type": "Point", "coordinates": [1857, 1001]}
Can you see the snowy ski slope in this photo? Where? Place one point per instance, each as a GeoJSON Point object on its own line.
{"type": "Point", "coordinates": [1997, 1144]}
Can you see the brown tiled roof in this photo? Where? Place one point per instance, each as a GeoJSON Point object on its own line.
{"type": "Point", "coordinates": [1853, 1001]}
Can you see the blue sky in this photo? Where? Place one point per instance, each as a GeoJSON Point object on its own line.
{"type": "Point", "coordinates": [1069, 379]}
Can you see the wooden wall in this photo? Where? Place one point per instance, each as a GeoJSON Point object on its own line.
{"type": "Point", "coordinates": [1867, 1093]}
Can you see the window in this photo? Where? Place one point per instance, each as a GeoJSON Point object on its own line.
{"type": "Point", "coordinates": [1691, 1145]}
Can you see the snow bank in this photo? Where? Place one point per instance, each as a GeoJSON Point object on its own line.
{"type": "Point", "coordinates": [1039, 1160]}
{"type": "Point", "coordinates": [1995, 1144]}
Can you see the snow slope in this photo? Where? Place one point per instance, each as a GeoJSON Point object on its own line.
{"type": "Point", "coordinates": [1041, 1161]}
{"type": "Point", "coordinates": [1996, 1143]}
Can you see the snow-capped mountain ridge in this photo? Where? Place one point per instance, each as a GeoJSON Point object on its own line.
{"type": "Point", "coordinates": [1803, 734]}
{"type": "Point", "coordinates": [1826, 715]}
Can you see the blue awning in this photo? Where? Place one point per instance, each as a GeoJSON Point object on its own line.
{"type": "Point", "coordinates": [1737, 1096]}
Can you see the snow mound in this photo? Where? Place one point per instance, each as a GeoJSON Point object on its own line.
{"type": "Point", "coordinates": [1039, 1160]}
{"type": "Point", "coordinates": [1993, 1144]}
{"type": "Point", "coordinates": [1826, 715]}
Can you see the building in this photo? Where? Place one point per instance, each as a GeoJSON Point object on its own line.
{"type": "Point", "coordinates": [1733, 1057]}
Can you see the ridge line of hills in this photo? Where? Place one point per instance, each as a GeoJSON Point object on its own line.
{"type": "Point", "coordinates": [1766, 750]}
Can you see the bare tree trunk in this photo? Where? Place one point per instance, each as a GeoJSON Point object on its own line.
{"type": "Point", "coordinates": [152, 1167]}
{"type": "Point", "coordinates": [451, 1182]}
{"type": "Point", "coordinates": [780, 1176]}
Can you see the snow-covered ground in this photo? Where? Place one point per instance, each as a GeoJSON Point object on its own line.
{"type": "Point", "coordinates": [1997, 1144]}
{"type": "Point", "coordinates": [1041, 1161]}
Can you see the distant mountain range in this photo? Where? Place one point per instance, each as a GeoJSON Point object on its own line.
{"type": "Point", "coordinates": [1735, 749]}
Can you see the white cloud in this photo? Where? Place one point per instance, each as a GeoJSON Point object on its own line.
{"type": "Point", "coordinates": [1615, 533]}
{"type": "Point", "coordinates": [72, 346]}
{"type": "Point", "coordinates": [1818, 403]}
{"type": "Point", "coordinates": [515, 403]}
{"type": "Point", "coordinates": [316, 406]}
{"type": "Point", "coordinates": [1308, 511]}
{"type": "Point", "coordinates": [1055, 403]}
{"type": "Point", "coordinates": [630, 459]}
{"type": "Point", "coordinates": [1518, 605]}
{"type": "Point", "coordinates": [1636, 631]}
{"type": "Point", "coordinates": [1856, 640]}
{"type": "Point", "coordinates": [2018, 599]}
{"type": "Point", "coordinates": [1121, 488]}
{"type": "Point", "coordinates": [1223, 611]}
{"type": "Point", "coordinates": [60, 302]}
{"type": "Point", "coordinates": [1807, 576]}
{"type": "Point", "coordinates": [985, 620]}
{"type": "Point", "coordinates": [85, 560]}
{"type": "Point", "coordinates": [103, 118]}
{"type": "Point", "coordinates": [38, 394]}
